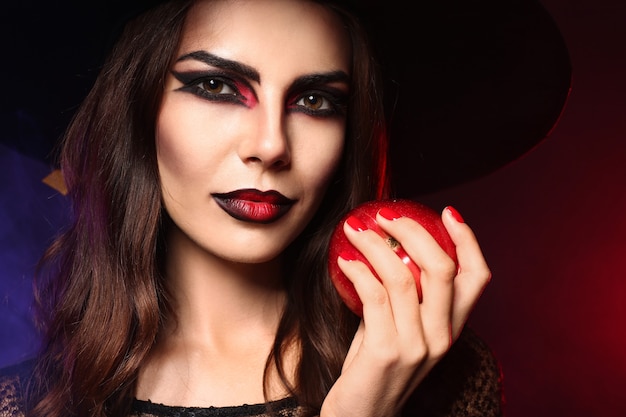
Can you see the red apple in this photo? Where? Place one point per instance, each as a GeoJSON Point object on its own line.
{"type": "Point", "coordinates": [366, 212]}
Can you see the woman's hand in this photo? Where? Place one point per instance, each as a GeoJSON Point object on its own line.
{"type": "Point", "coordinates": [400, 339]}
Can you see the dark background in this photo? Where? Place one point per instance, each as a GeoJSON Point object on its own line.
{"type": "Point", "coordinates": [553, 228]}
{"type": "Point", "coordinates": [552, 224]}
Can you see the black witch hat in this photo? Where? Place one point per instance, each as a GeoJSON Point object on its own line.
{"type": "Point", "coordinates": [471, 85]}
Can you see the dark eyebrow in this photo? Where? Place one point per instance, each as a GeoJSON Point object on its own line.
{"type": "Point", "coordinates": [249, 72]}
{"type": "Point", "coordinates": [216, 61]}
{"type": "Point", "coordinates": [312, 80]}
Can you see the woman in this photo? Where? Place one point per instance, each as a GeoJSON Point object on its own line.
{"type": "Point", "coordinates": [218, 149]}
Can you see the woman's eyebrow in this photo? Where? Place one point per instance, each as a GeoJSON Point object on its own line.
{"type": "Point", "coordinates": [250, 73]}
{"type": "Point", "coordinates": [312, 80]}
{"type": "Point", "coordinates": [216, 61]}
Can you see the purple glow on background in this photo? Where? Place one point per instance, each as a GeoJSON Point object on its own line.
{"type": "Point", "coordinates": [31, 213]}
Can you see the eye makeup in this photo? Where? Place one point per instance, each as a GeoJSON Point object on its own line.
{"type": "Point", "coordinates": [318, 95]}
{"type": "Point", "coordinates": [322, 94]}
{"type": "Point", "coordinates": [321, 102]}
{"type": "Point", "coordinates": [226, 81]}
{"type": "Point", "coordinates": [216, 85]}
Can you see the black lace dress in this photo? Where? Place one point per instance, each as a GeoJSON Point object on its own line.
{"type": "Point", "coordinates": [282, 408]}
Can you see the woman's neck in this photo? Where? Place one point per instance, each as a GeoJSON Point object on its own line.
{"type": "Point", "coordinates": [211, 296]}
{"type": "Point", "coordinates": [213, 349]}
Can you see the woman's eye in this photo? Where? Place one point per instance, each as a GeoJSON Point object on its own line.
{"type": "Point", "coordinates": [322, 104]}
{"type": "Point", "coordinates": [215, 86]}
{"type": "Point", "coordinates": [314, 102]}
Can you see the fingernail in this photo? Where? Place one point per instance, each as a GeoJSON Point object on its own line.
{"type": "Point", "coordinates": [347, 256]}
{"type": "Point", "coordinates": [356, 224]}
{"type": "Point", "coordinates": [455, 214]}
{"type": "Point", "coordinates": [389, 214]}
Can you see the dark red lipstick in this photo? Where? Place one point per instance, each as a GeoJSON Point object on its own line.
{"type": "Point", "coordinates": [250, 205]}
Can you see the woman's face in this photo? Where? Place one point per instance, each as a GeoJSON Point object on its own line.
{"type": "Point", "coordinates": [251, 126]}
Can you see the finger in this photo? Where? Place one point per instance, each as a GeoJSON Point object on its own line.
{"type": "Point", "coordinates": [376, 306]}
{"type": "Point", "coordinates": [397, 280]}
{"type": "Point", "coordinates": [378, 345]}
{"type": "Point", "coordinates": [474, 273]}
{"type": "Point", "coordinates": [437, 280]}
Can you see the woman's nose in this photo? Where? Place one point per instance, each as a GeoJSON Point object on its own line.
{"type": "Point", "coordinates": [268, 143]}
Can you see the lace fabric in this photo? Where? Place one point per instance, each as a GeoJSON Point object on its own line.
{"type": "Point", "coordinates": [10, 397]}
{"type": "Point", "coordinates": [282, 408]}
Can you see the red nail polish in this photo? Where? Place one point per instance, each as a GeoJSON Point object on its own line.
{"type": "Point", "coordinates": [347, 255]}
{"type": "Point", "coordinates": [389, 214]}
{"type": "Point", "coordinates": [455, 214]}
{"type": "Point", "coordinates": [356, 224]}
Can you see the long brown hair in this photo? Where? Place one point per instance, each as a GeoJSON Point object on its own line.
{"type": "Point", "coordinates": [100, 293]}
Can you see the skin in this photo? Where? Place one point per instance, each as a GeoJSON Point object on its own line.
{"type": "Point", "coordinates": [400, 339]}
{"type": "Point", "coordinates": [225, 275]}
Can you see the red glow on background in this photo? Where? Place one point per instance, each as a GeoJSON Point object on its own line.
{"type": "Point", "coordinates": [553, 228]}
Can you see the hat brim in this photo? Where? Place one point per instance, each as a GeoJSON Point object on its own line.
{"type": "Point", "coordinates": [470, 86]}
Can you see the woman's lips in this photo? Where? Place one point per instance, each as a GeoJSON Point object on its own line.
{"type": "Point", "coordinates": [254, 206]}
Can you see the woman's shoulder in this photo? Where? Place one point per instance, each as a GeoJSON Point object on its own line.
{"type": "Point", "coordinates": [13, 381]}
{"type": "Point", "coordinates": [467, 382]}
